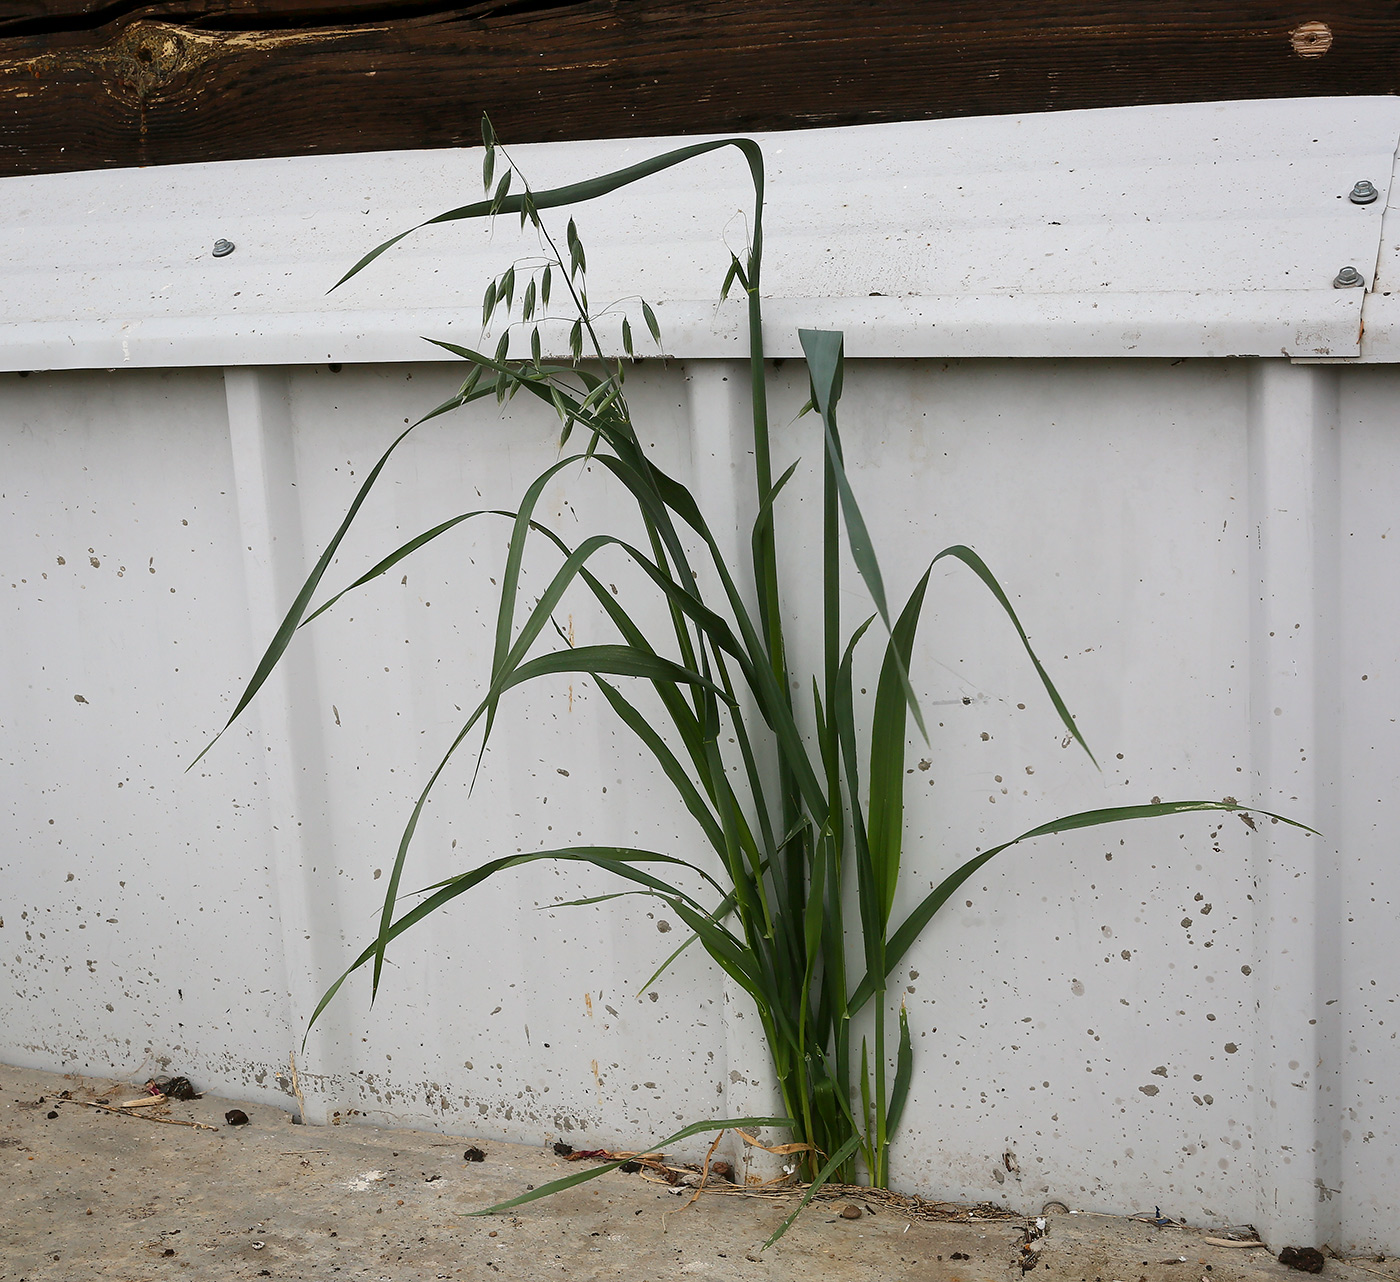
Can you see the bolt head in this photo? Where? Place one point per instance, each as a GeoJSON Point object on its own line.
{"type": "Point", "coordinates": [1363, 193]}
{"type": "Point", "coordinates": [222, 248]}
{"type": "Point", "coordinates": [1348, 278]}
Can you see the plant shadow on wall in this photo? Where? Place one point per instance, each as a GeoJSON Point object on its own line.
{"type": "Point", "coordinates": [805, 812]}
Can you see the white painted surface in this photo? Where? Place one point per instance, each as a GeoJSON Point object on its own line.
{"type": "Point", "coordinates": [1202, 549]}
{"type": "Point", "coordinates": [1208, 229]}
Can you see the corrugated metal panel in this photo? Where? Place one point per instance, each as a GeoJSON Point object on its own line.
{"type": "Point", "coordinates": [1192, 1015]}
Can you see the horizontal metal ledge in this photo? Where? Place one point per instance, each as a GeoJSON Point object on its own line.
{"type": "Point", "coordinates": [1302, 323]}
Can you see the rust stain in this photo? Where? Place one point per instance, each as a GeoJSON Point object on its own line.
{"type": "Point", "coordinates": [1311, 40]}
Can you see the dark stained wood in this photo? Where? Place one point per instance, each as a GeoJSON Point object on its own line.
{"type": "Point", "coordinates": [87, 84]}
{"type": "Point", "coordinates": [18, 17]}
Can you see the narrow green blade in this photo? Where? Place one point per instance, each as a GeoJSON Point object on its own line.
{"type": "Point", "coordinates": [841, 1154]}
{"type": "Point", "coordinates": [287, 629]}
{"type": "Point", "coordinates": [574, 193]}
{"type": "Point", "coordinates": [979, 567]}
{"type": "Point", "coordinates": [903, 1074]}
{"type": "Point", "coordinates": [913, 925]}
{"type": "Point", "coordinates": [887, 750]}
{"type": "Point", "coordinates": [618, 860]}
{"type": "Point", "coordinates": [614, 660]}
{"type": "Point", "coordinates": [733, 958]}
{"type": "Point", "coordinates": [400, 553]}
{"type": "Point", "coordinates": [674, 771]}
{"type": "Point", "coordinates": [825, 361]}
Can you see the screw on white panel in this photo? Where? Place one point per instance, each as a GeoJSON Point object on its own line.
{"type": "Point", "coordinates": [222, 248]}
{"type": "Point", "coordinates": [1348, 278]}
{"type": "Point", "coordinates": [1363, 193]}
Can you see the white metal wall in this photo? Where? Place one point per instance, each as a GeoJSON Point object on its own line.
{"type": "Point", "coordinates": [1193, 1013]}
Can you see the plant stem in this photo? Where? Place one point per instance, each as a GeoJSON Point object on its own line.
{"type": "Point", "coordinates": [880, 1177]}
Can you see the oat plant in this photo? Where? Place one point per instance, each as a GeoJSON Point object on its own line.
{"type": "Point", "coordinates": [805, 835]}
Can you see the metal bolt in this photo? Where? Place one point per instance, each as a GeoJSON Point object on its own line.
{"type": "Point", "coordinates": [1348, 278]}
{"type": "Point", "coordinates": [222, 248]}
{"type": "Point", "coordinates": [1363, 193]}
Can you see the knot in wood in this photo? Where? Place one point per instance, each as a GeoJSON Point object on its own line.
{"type": "Point", "coordinates": [1311, 40]}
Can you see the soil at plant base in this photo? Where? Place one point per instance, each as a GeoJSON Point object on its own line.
{"type": "Point", "coordinates": [88, 1194]}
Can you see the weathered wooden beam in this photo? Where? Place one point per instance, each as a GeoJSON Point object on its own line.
{"type": "Point", "coordinates": [86, 84]}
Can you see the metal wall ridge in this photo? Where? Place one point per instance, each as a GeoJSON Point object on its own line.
{"type": "Point", "coordinates": [1295, 323]}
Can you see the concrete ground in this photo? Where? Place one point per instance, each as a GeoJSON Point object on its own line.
{"type": "Point", "coordinates": [88, 1194]}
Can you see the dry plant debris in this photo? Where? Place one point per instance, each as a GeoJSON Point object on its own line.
{"type": "Point", "coordinates": [125, 1110]}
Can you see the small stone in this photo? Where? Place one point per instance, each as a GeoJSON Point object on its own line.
{"type": "Point", "coordinates": [850, 1211]}
{"type": "Point", "coordinates": [236, 1117]}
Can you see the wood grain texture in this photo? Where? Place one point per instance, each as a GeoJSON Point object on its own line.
{"type": "Point", "coordinates": [86, 84]}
